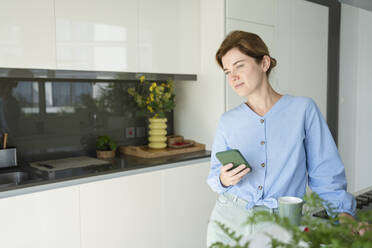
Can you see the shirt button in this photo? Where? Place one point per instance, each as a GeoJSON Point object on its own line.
{"type": "Point", "coordinates": [260, 187]}
{"type": "Point", "coordinates": [262, 142]}
{"type": "Point", "coordinates": [262, 120]}
{"type": "Point", "coordinates": [263, 164]}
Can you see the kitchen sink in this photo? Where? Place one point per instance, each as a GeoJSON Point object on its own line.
{"type": "Point", "coordinates": [16, 178]}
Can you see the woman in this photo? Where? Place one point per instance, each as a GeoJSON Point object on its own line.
{"type": "Point", "coordinates": [284, 138]}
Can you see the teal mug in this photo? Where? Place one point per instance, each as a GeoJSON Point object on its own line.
{"type": "Point", "coordinates": [291, 207]}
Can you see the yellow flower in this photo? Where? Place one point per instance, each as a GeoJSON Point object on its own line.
{"type": "Point", "coordinates": [153, 85]}
{"type": "Point", "coordinates": [159, 90]}
{"type": "Point", "coordinates": [155, 98]}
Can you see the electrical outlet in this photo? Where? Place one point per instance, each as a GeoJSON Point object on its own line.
{"type": "Point", "coordinates": [140, 132]}
{"type": "Point", "coordinates": [130, 132]}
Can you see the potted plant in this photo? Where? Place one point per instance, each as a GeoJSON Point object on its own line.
{"type": "Point", "coordinates": [154, 99]}
{"type": "Point", "coordinates": [105, 147]}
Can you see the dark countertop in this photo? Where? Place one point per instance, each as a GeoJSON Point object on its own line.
{"type": "Point", "coordinates": [119, 166]}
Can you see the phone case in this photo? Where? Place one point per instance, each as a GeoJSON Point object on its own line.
{"type": "Point", "coordinates": [232, 156]}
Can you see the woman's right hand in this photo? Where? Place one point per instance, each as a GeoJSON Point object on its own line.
{"type": "Point", "coordinates": [232, 177]}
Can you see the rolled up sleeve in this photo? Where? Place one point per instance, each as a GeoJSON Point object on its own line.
{"type": "Point", "coordinates": [326, 172]}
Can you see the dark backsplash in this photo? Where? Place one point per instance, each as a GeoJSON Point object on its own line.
{"type": "Point", "coordinates": [54, 118]}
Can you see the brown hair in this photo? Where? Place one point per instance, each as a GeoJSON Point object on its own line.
{"type": "Point", "coordinates": [249, 44]}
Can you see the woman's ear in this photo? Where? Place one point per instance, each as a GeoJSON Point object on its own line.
{"type": "Point", "coordinates": [265, 63]}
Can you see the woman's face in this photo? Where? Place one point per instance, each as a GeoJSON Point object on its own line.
{"type": "Point", "coordinates": [244, 75]}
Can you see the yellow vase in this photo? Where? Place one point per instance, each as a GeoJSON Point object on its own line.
{"type": "Point", "coordinates": [157, 133]}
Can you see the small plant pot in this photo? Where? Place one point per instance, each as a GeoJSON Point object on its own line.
{"type": "Point", "coordinates": [105, 154]}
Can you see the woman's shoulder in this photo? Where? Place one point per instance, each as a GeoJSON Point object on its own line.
{"type": "Point", "coordinates": [231, 116]}
{"type": "Point", "coordinates": [234, 112]}
{"type": "Point", "coordinates": [301, 101]}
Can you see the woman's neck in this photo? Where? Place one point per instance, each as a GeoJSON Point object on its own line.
{"type": "Point", "coordinates": [263, 100]}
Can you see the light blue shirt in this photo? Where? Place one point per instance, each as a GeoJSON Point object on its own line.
{"type": "Point", "coordinates": [287, 148]}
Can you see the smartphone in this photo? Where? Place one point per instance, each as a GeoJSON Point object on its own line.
{"type": "Point", "coordinates": [232, 156]}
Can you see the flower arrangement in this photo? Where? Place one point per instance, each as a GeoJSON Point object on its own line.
{"type": "Point", "coordinates": [154, 99]}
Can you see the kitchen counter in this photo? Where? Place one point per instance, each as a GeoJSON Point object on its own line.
{"type": "Point", "coordinates": [118, 167]}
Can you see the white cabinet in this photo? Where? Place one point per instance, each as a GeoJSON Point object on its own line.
{"type": "Point", "coordinates": [169, 36]}
{"type": "Point", "coordinates": [256, 11]}
{"type": "Point", "coordinates": [41, 220]}
{"type": "Point", "coordinates": [27, 34]}
{"type": "Point", "coordinates": [188, 203]}
{"type": "Point", "coordinates": [122, 212]}
{"type": "Point", "coordinates": [97, 35]}
{"type": "Point", "coordinates": [167, 208]}
{"type": "Point", "coordinates": [124, 35]}
{"type": "Point", "coordinates": [115, 35]}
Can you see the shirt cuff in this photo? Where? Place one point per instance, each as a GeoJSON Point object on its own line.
{"type": "Point", "coordinates": [341, 208]}
{"type": "Point", "coordinates": [220, 187]}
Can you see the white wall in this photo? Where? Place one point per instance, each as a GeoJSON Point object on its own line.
{"type": "Point", "coordinates": [296, 33]}
{"type": "Point", "coordinates": [301, 55]}
{"type": "Point", "coordinates": [200, 103]}
{"type": "Point", "coordinates": [363, 166]}
{"type": "Point", "coordinates": [301, 49]}
{"type": "Point", "coordinates": [348, 79]}
{"type": "Point", "coordinates": [355, 119]}
{"type": "Point", "coordinates": [240, 15]}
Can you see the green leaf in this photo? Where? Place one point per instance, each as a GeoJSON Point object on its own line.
{"type": "Point", "coordinates": [105, 143]}
{"type": "Point", "coordinates": [323, 233]}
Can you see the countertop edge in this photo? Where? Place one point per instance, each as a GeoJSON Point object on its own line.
{"type": "Point", "coordinates": [95, 178]}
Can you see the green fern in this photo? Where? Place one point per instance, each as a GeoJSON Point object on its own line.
{"type": "Point", "coordinates": [232, 235]}
{"type": "Point", "coordinates": [322, 232]}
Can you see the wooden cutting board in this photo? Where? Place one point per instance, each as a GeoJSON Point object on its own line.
{"type": "Point", "coordinates": [146, 152]}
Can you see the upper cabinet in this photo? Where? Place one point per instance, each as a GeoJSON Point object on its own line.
{"type": "Point", "coordinates": [169, 36]}
{"type": "Point", "coordinates": [97, 35]}
{"type": "Point", "coordinates": [156, 36]}
{"type": "Point", "coordinates": [125, 35]}
{"type": "Point", "coordinates": [27, 34]}
{"type": "Point", "coordinates": [262, 12]}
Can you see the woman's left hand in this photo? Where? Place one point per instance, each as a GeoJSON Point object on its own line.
{"type": "Point", "coordinates": [362, 227]}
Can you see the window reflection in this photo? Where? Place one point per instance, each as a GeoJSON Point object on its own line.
{"type": "Point", "coordinates": [42, 98]}
{"type": "Point", "coordinates": [27, 95]}
{"type": "Point", "coordinates": [47, 117]}
{"type": "Point", "coordinates": [65, 96]}
{"type": "Point", "coordinates": [10, 108]}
